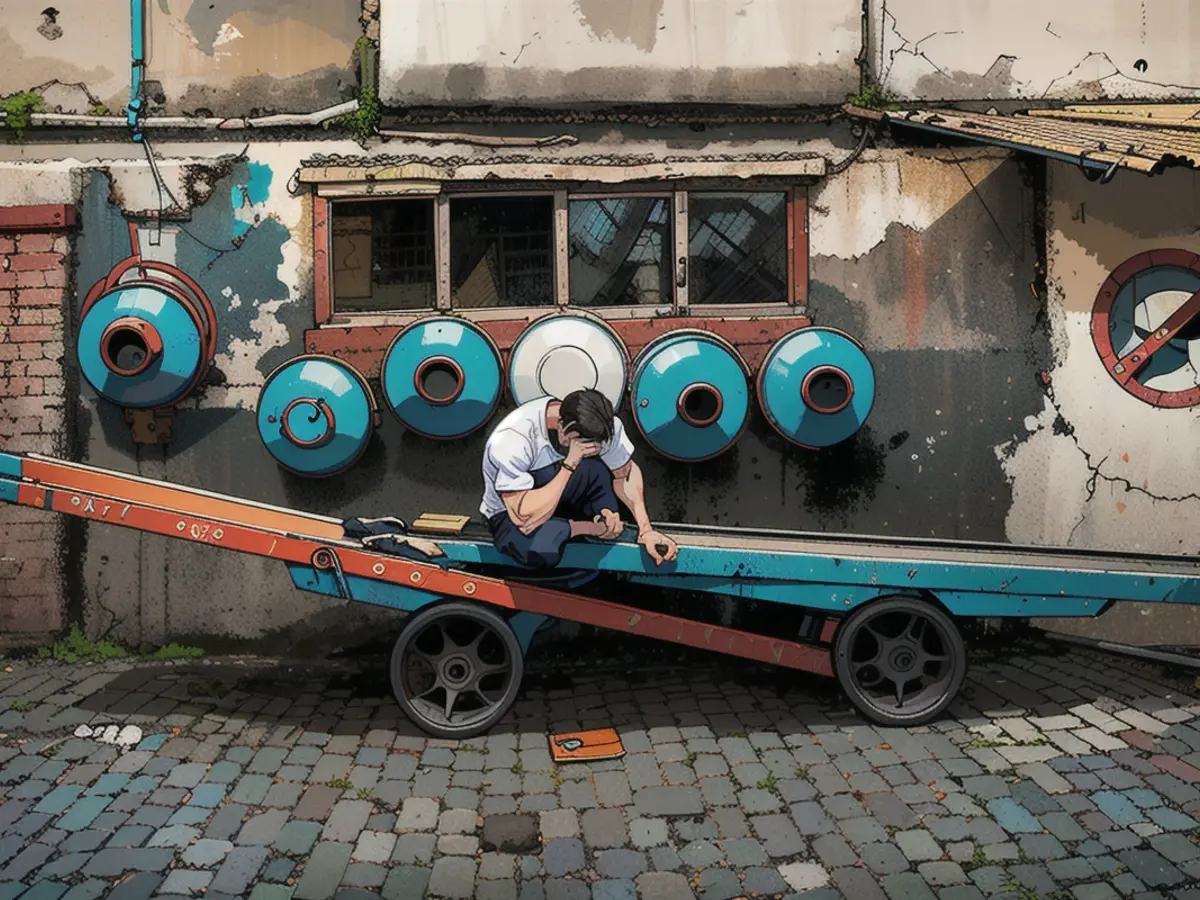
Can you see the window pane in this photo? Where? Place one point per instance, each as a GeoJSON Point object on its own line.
{"type": "Point", "coordinates": [620, 252]}
{"type": "Point", "coordinates": [383, 256]}
{"type": "Point", "coordinates": [737, 248]}
{"type": "Point", "coordinates": [501, 251]}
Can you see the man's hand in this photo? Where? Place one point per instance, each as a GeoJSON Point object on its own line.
{"type": "Point", "coordinates": [652, 540]}
{"type": "Point", "coordinates": [578, 449]}
{"type": "Point", "coordinates": [612, 525]}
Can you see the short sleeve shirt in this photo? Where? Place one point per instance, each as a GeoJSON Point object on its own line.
{"type": "Point", "coordinates": [520, 445]}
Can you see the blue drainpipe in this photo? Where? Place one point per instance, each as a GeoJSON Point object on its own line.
{"type": "Point", "coordinates": [133, 112]}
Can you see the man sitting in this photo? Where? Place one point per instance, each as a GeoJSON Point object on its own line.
{"type": "Point", "coordinates": [555, 470]}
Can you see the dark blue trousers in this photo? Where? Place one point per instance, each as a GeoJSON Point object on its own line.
{"type": "Point", "coordinates": [589, 491]}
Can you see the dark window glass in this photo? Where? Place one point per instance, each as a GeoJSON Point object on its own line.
{"type": "Point", "coordinates": [620, 252]}
{"type": "Point", "coordinates": [737, 248]}
{"type": "Point", "coordinates": [383, 256]}
{"type": "Point", "coordinates": [502, 251]}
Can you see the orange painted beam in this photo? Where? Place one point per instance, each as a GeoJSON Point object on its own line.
{"type": "Point", "coordinates": [247, 528]}
{"type": "Point", "coordinates": [130, 489]}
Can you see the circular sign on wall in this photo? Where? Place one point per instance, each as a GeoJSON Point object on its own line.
{"type": "Point", "coordinates": [1146, 327]}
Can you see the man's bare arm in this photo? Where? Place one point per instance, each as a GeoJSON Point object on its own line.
{"type": "Point", "coordinates": [629, 487]}
{"type": "Point", "coordinates": [531, 509]}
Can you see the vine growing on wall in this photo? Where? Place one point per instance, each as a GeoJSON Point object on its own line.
{"type": "Point", "coordinates": [18, 110]}
{"type": "Point", "coordinates": [875, 96]}
{"type": "Point", "coordinates": [364, 121]}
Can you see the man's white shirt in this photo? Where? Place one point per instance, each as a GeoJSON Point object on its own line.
{"type": "Point", "coordinates": [521, 444]}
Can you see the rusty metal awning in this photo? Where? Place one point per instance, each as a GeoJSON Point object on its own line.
{"type": "Point", "coordinates": [1143, 137]}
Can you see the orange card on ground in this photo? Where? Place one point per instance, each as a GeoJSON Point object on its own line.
{"type": "Point", "coordinates": [583, 746]}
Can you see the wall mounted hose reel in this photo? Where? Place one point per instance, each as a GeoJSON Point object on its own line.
{"type": "Point", "coordinates": [316, 415]}
{"type": "Point", "coordinates": [690, 395]}
{"type": "Point", "coordinates": [147, 338]}
{"type": "Point", "coordinates": [816, 387]}
{"type": "Point", "coordinates": [565, 352]}
{"type": "Point", "coordinates": [442, 377]}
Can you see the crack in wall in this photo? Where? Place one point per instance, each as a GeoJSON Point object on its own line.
{"type": "Point", "coordinates": [910, 47]}
{"type": "Point", "coordinates": [1092, 55]}
{"type": "Point", "coordinates": [1062, 426]}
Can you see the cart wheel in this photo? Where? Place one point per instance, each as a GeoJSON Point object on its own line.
{"type": "Point", "coordinates": [900, 660]}
{"type": "Point", "coordinates": [456, 669]}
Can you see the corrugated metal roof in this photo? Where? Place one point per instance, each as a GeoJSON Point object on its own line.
{"type": "Point", "coordinates": [1099, 137]}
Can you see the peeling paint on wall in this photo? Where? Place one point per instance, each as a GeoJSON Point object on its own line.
{"type": "Point", "coordinates": [1098, 467]}
{"type": "Point", "coordinates": [960, 50]}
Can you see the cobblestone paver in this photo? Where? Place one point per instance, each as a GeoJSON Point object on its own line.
{"type": "Point", "coordinates": [1059, 775]}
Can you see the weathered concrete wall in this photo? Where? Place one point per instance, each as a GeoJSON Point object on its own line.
{"type": "Point", "coordinates": [904, 256]}
{"type": "Point", "coordinates": [930, 257]}
{"type": "Point", "coordinates": [226, 57]}
{"type": "Point", "coordinates": [963, 49]}
{"type": "Point", "coordinates": [1097, 467]}
{"type": "Point", "coordinates": [618, 51]}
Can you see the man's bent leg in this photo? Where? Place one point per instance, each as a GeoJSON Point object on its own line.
{"type": "Point", "coordinates": [541, 549]}
{"type": "Point", "coordinates": [588, 492]}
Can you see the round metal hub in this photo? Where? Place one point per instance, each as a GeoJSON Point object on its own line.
{"type": "Point", "coordinates": [457, 671]}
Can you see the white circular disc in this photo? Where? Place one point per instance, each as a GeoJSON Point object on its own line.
{"type": "Point", "coordinates": [560, 354]}
{"type": "Point", "coordinates": [566, 369]}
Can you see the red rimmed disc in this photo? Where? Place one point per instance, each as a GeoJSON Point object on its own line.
{"type": "Point", "coordinates": [1146, 327]}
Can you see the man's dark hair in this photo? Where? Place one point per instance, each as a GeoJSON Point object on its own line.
{"type": "Point", "coordinates": [588, 413]}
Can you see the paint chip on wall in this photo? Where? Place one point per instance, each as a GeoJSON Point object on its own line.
{"type": "Point", "coordinates": [226, 33]}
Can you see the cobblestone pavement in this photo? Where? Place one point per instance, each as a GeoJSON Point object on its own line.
{"type": "Point", "coordinates": [1061, 774]}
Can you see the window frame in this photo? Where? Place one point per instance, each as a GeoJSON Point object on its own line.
{"type": "Point", "coordinates": [562, 193]}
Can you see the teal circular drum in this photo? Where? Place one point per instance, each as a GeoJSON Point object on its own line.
{"type": "Point", "coordinates": [442, 377]}
{"type": "Point", "coordinates": [690, 395]}
{"type": "Point", "coordinates": [141, 347]}
{"type": "Point", "coordinates": [316, 415]}
{"type": "Point", "coordinates": [816, 387]}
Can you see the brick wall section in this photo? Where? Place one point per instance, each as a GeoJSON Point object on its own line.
{"type": "Point", "coordinates": [34, 259]}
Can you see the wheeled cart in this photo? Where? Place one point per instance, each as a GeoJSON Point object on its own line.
{"type": "Point", "coordinates": [879, 614]}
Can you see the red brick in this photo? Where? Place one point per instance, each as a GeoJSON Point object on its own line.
{"type": "Point", "coordinates": [40, 262]}
{"type": "Point", "coordinates": [7, 245]}
{"type": "Point", "coordinates": [24, 407]}
{"type": "Point", "coordinates": [35, 243]}
{"type": "Point", "coordinates": [8, 280]}
{"type": "Point", "coordinates": [35, 615]}
{"type": "Point", "coordinates": [8, 297]}
{"type": "Point", "coordinates": [33, 315]}
{"type": "Point", "coordinates": [8, 316]}
{"type": "Point", "coordinates": [28, 334]}
{"type": "Point", "coordinates": [31, 279]}
{"type": "Point", "coordinates": [34, 568]}
{"type": "Point", "coordinates": [29, 351]}
{"type": "Point", "coordinates": [22, 442]}
{"type": "Point", "coordinates": [24, 387]}
{"type": "Point", "coordinates": [11, 516]}
{"type": "Point", "coordinates": [9, 351]}
{"type": "Point", "coordinates": [56, 278]}
{"type": "Point", "coordinates": [41, 368]}
{"type": "Point", "coordinates": [34, 533]}
{"type": "Point", "coordinates": [40, 297]}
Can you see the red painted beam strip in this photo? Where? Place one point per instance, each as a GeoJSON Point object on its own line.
{"type": "Point", "coordinates": [197, 527]}
{"type": "Point", "coordinates": [363, 346]}
{"type": "Point", "coordinates": [1132, 362]}
{"type": "Point", "coordinates": [171, 497]}
{"type": "Point", "coordinates": [322, 267]}
{"type": "Point", "coordinates": [44, 217]}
